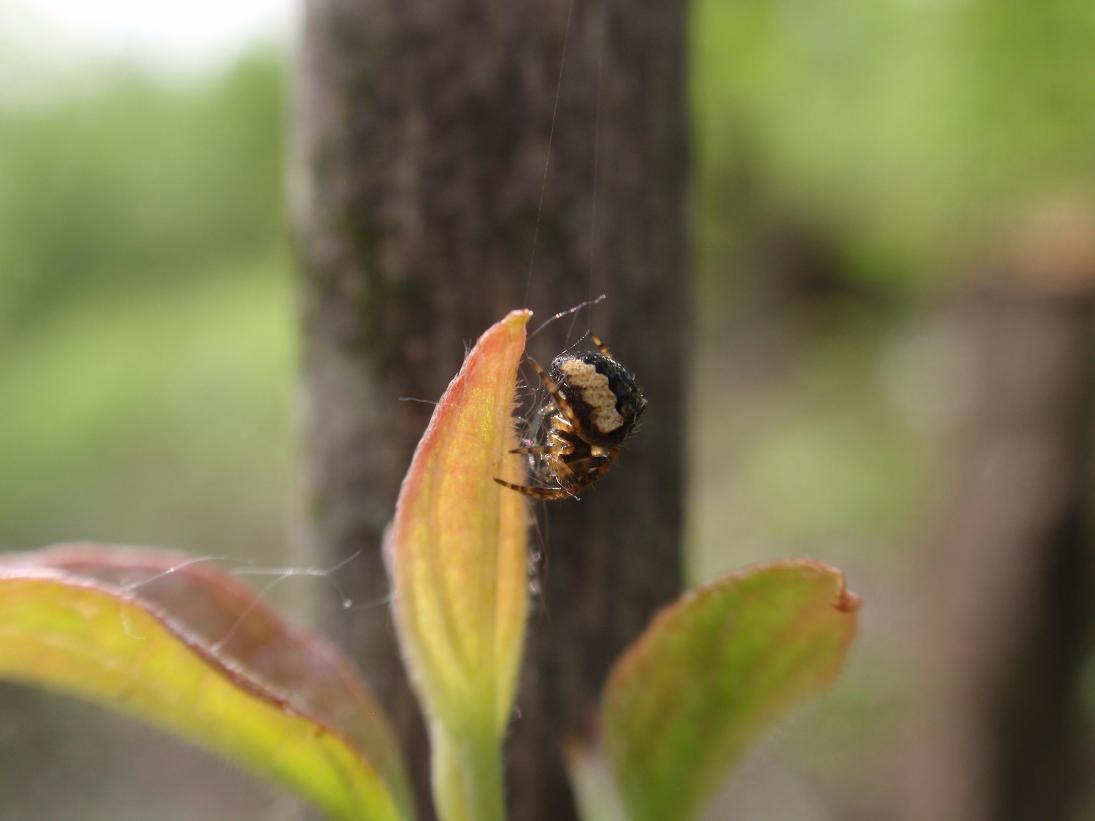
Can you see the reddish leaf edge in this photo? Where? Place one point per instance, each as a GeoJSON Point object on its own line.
{"type": "Point", "coordinates": [79, 560]}
{"type": "Point", "coordinates": [451, 397]}
{"type": "Point", "coordinates": [844, 601]}
{"type": "Point", "coordinates": [52, 564]}
{"type": "Point", "coordinates": [499, 335]}
{"type": "Point", "coordinates": [249, 684]}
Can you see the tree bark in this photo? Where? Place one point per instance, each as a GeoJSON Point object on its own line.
{"type": "Point", "coordinates": [1009, 623]}
{"type": "Point", "coordinates": [422, 130]}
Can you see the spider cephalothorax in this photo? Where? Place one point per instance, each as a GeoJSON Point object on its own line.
{"type": "Point", "coordinates": [595, 404]}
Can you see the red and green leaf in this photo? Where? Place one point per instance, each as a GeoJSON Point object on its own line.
{"type": "Point", "coordinates": [712, 672]}
{"type": "Point", "coordinates": [457, 554]}
{"type": "Point", "coordinates": [190, 650]}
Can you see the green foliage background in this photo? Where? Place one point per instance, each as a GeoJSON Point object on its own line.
{"type": "Point", "coordinates": [146, 378]}
{"type": "Point", "coordinates": [145, 312]}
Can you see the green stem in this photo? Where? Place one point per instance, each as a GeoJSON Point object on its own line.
{"type": "Point", "coordinates": [467, 777]}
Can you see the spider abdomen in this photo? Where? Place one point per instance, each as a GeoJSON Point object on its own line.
{"type": "Point", "coordinates": [603, 394]}
{"type": "Point", "coordinates": [583, 382]}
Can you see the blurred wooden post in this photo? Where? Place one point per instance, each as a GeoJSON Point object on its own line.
{"type": "Point", "coordinates": [422, 130]}
{"type": "Point", "coordinates": [1010, 593]}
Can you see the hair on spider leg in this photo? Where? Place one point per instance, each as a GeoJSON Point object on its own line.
{"type": "Point", "coordinates": [587, 304]}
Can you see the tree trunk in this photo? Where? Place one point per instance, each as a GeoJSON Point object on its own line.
{"type": "Point", "coordinates": [422, 132]}
{"type": "Point", "coordinates": [1008, 625]}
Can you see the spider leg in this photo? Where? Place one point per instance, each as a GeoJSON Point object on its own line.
{"type": "Point", "coordinates": [556, 444]}
{"type": "Point", "coordinates": [601, 346]}
{"type": "Point", "coordinates": [565, 408]}
{"type": "Point", "coordinates": [569, 481]}
{"type": "Point", "coordinates": [546, 493]}
{"type": "Point", "coordinates": [591, 468]}
{"type": "Point", "coordinates": [563, 472]}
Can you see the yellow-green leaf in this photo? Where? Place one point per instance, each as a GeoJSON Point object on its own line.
{"type": "Point", "coordinates": [457, 554]}
{"type": "Point", "coordinates": [711, 672]}
{"type": "Point", "coordinates": [190, 650]}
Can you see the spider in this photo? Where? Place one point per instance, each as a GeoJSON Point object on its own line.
{"type": "Point", "coordinates": [596, 404]}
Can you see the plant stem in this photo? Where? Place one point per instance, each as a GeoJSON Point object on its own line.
{"type": "Point", "coordinates": [467, 776]}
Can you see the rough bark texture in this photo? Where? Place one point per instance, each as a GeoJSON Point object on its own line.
{"type": "Point", "coordinates": [422, 131]}
{"type": "Point", "coordinates": [1010, 607]}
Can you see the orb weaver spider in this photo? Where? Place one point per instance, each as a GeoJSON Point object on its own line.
{"type": "Point", "coordinates": [596, 402]}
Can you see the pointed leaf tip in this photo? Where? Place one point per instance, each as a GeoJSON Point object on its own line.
{"type": "Point", "coordinates": [457, 546]}
{"type": "Point", "coordinates": [711, 673]}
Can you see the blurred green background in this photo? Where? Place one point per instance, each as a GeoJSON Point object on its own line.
{"type": "Point", "coordinates": [847, 157]}
{"type": "Point", "coordinates": [146, 321]}
{"type": "Point", "coordinates": [147, 370]}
